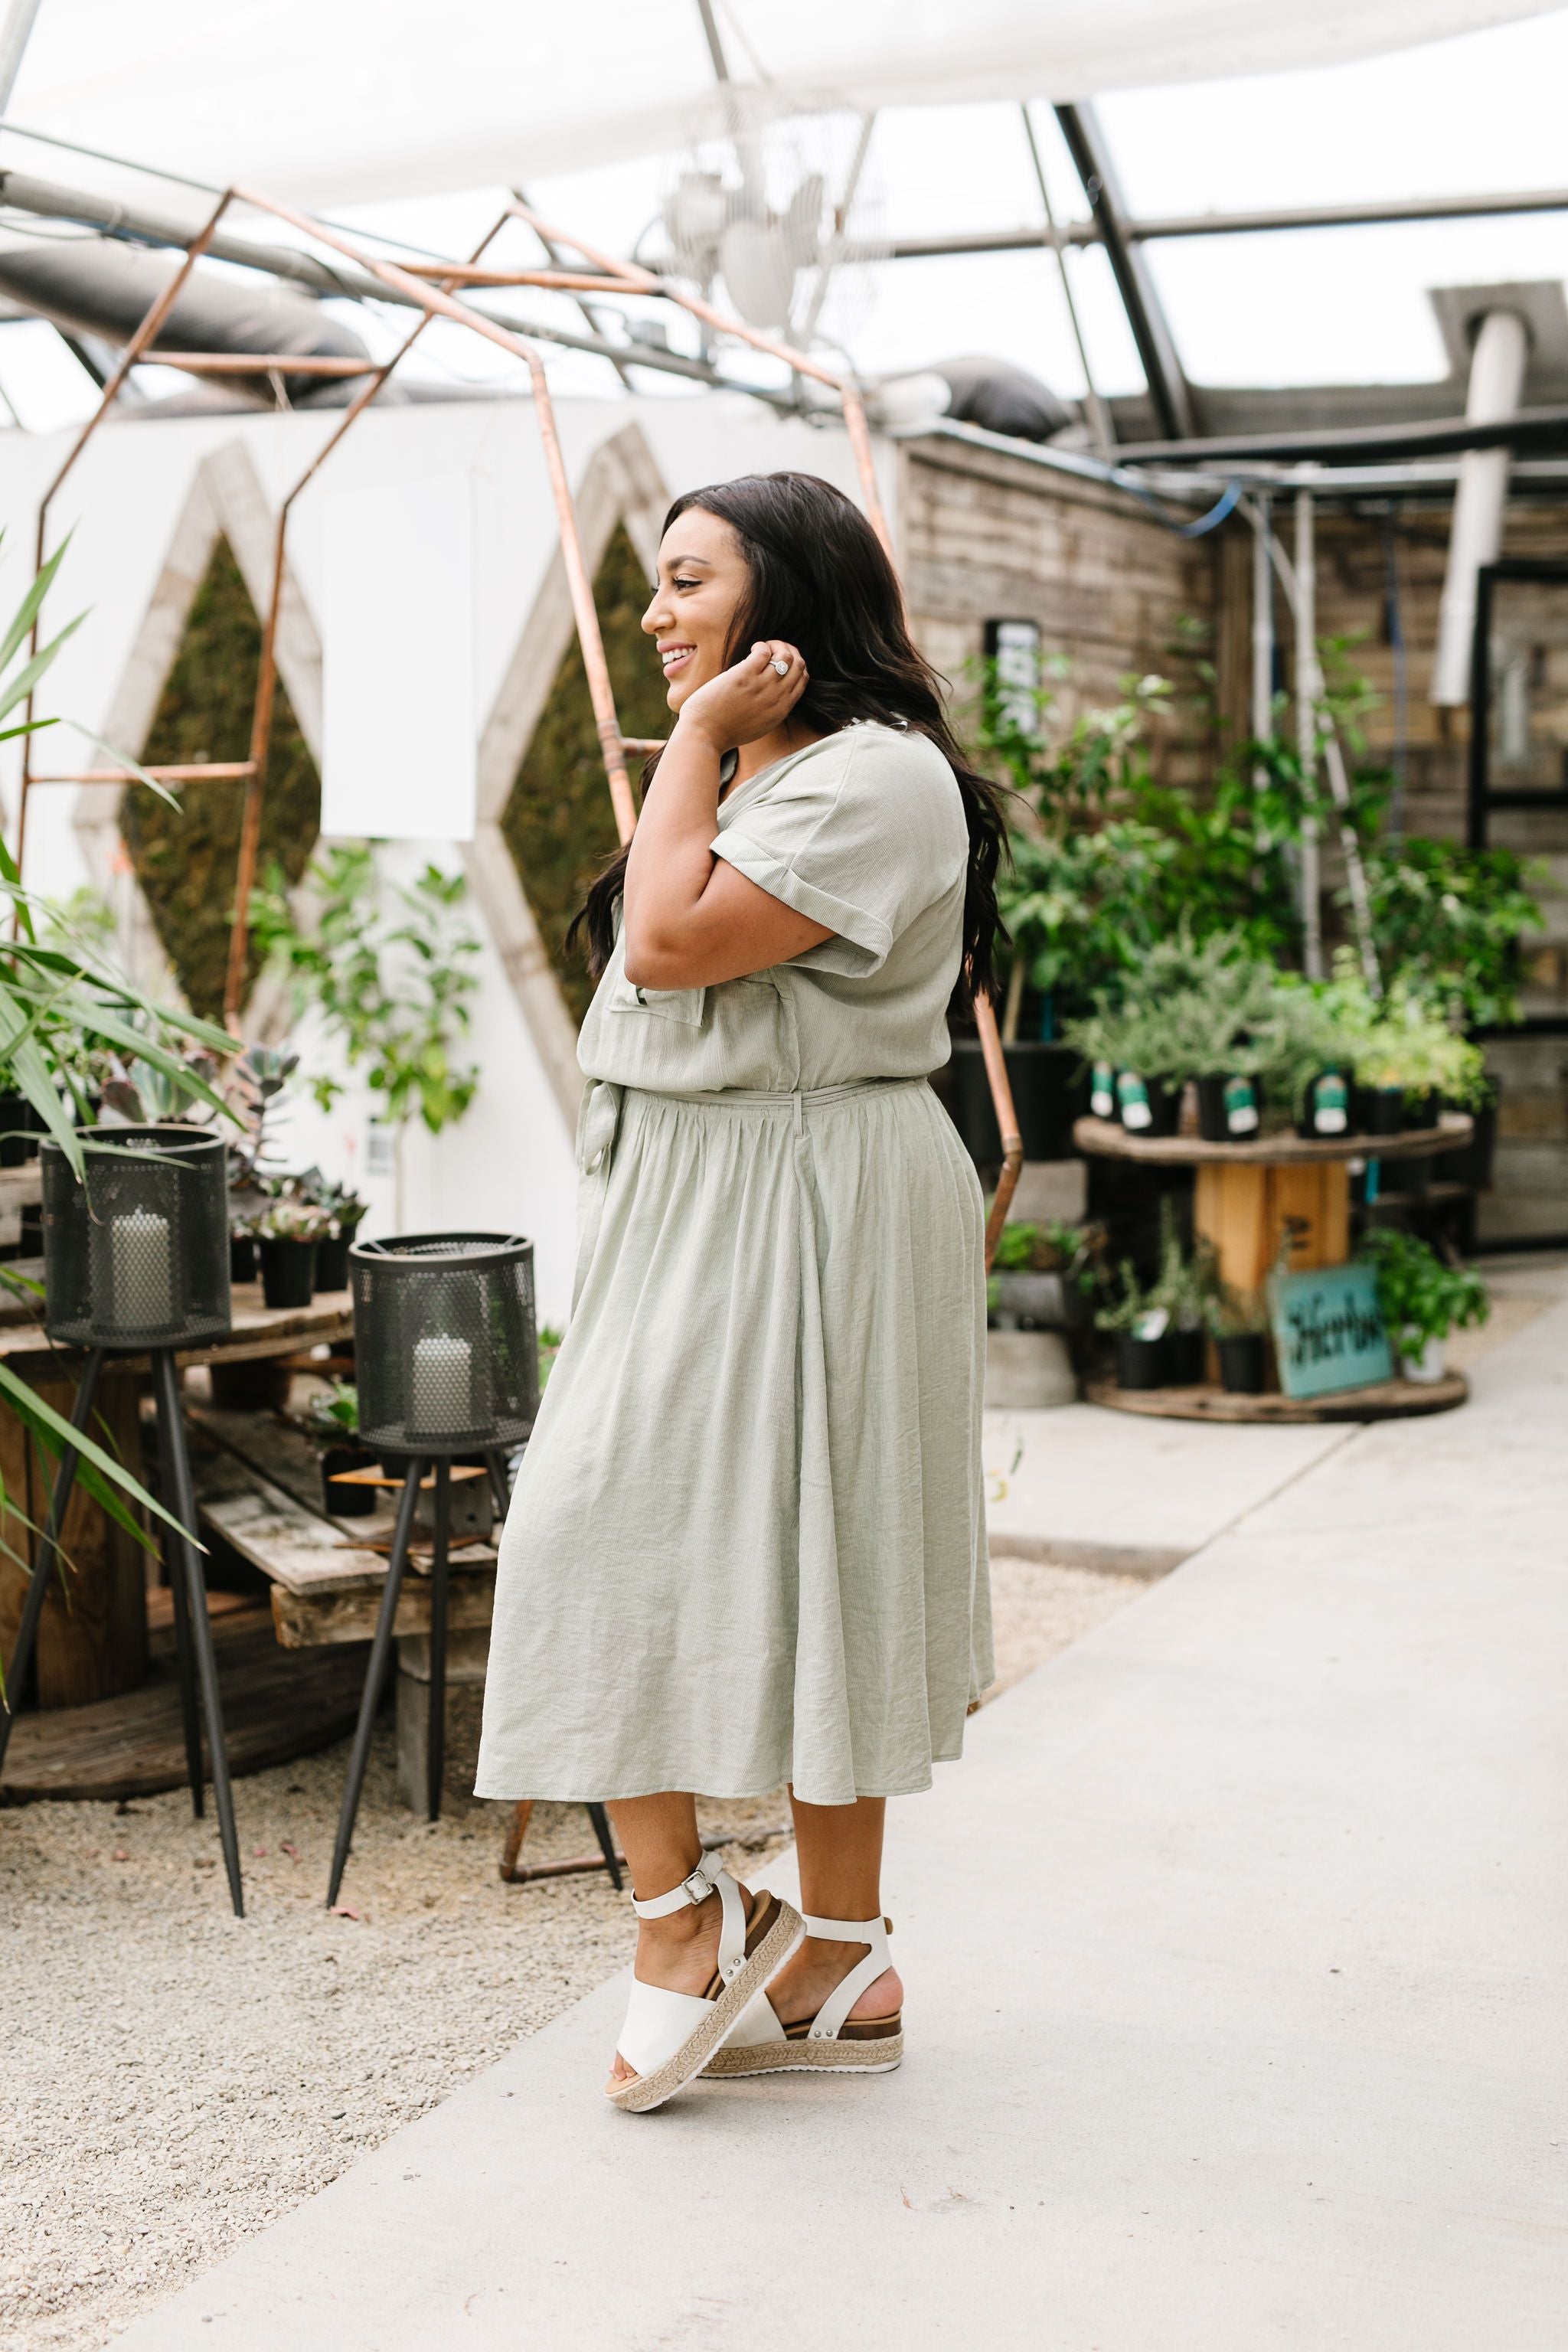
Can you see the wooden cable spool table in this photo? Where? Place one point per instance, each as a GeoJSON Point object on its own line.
{"type": "Point", "coordinates": [1246, 1198]}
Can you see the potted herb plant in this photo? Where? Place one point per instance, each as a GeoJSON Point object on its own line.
{"type": "Point", "coordinates": [1423, 1298]}
{"type": "Point", "coordinates": [1138, 1322]}
{"type": "Point", "coordinates": [334, 1428]}
{"type": "Point", "coordinates": [1184, 1286]}
{"type": "Point", "coordinates": [288, 1235]}
{"type": "Point", "coordinates": [1240, 1326]}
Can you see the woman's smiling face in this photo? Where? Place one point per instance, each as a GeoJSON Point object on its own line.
{"type": "Point", "coordinates": [703, 577]}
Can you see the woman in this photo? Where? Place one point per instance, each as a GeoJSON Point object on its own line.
{"type": "Point", "coordinates": [747, 1544]}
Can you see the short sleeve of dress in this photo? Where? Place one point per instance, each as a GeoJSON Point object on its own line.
{"type": "Point", "coordinates": [862, 833]}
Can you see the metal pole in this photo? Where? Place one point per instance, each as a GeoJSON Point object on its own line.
{"type": "Point", "coordinates": [375, 1676]}
{"type": "Point", "coordinates": [1308, 690]}
{"type": "Point", "coordinates": [1098, 413]}
{"type": "Point", "coordinates": [436, 1740]}
{"type": "Point", "coordinates": [1475, 535]}
{"type": "Point", "coordinates": [15, 36]}
{"type": "Point", "coordinates": [182, 1503]}
{"type": "Point", "coordinates": [1262, 626]}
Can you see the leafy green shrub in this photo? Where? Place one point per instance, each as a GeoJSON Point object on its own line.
{"type": "Point", "coordinates": [1422, 1297]}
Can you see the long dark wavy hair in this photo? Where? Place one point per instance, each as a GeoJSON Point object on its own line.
{"type": "Point", "coordinates": [819, 580]}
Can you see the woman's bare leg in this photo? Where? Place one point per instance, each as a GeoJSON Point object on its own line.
{"type": "Point", "coordinates": [840, 1849]}
{"type": "Point", "coordinates": [659, 1836]}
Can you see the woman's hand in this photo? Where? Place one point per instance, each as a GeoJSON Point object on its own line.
{"type": "Point", "coordinates": [746, 701]}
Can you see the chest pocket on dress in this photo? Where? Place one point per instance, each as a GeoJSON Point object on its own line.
{"type": "Point", "coordinates": [669, 1003]}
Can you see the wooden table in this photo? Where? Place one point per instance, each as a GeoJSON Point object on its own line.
{"type": "Point", "coordinates": [95, 1647]}
{"type": "Point", "coordinates": [1246, 1197]}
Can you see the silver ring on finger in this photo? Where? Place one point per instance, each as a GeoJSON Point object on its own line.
{"type": "Point", "coordinates": [779, 666]}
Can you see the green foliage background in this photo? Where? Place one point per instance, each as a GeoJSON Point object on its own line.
{"type": "Point", "coordinates": [185, 859]}
{"type": "Point", "coordinates": [558, 822]}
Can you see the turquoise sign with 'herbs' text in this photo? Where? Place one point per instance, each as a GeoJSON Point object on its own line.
{"type": "Point", "coordinates": [1328, 1331]}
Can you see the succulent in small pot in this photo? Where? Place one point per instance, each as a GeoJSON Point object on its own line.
{"type": "Point", "coordinates": [1187, 1282]}
{"type": "Point", "coordinates": [343, 1210]}
{"type": "Point", "coordinates": [1138, 1322]}
{"type": "Point", "coordinates": [333, 1429]}
{"type": "Point", "coordinates": [1423, 1109]}
{"type": "Point", "coordinates": [1423, 1298]}
{"type": "Point", "coordinates": [288, 1235]}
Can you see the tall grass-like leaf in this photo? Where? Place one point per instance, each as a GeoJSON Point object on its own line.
{"type": "Point", "coordinates": [55, 1432]}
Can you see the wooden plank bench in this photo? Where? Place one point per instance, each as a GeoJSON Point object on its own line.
{"type": "Point", "coordinates": [258, 1486]}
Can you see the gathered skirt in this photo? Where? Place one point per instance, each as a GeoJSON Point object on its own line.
{"type": "Point", "coordinates": [747, 1540]}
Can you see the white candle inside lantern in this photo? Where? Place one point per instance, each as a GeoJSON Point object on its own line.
{"type": "Point", "coordinates": [443, 1399]}
{"type": "Point", "coordinates": [142, 1266]}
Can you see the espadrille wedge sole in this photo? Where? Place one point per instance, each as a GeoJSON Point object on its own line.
{"type": "Point", "coordinates": [848, 2045]}
{"type": "Point", "coordinates": [669, 2037]}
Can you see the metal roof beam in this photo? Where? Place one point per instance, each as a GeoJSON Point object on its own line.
{"type": "Point", "coordinates": [1168, 387]}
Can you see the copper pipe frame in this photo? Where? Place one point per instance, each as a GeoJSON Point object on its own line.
{"type": "Point", "coordinates": [256, 364]}
{"type": "Point", "coordinates": [199, 771]}
{"type": "Point", "coordinates": [437, 300]}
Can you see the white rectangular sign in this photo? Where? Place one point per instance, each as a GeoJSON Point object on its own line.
{"type": "Point", "coordinates": [399, 757]}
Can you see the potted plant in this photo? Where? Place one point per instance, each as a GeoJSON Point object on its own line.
{"type": "Point", "coordinates": [1409, 1060]}
{"type": "Point", "coordinates": [1423, 1298]}
{"type": "Point", "coordinates": [1240, 1326]}
{"type": "Point", "coordinates": [343, 1210]}
{"type": "Point", "coordinates": [333, 1427]}
{"type": "Point", "coordinates": [288, 1235]}
{"type": "Point", "coordinates": [1043, 1276]}
{"type": "Point", "coordinates": [1184, 1286]}
{"type": "Point", "coordinates": [1138, 1322]}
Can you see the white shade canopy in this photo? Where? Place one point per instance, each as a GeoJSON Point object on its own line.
{"type": "Point", "coordinates": [337, 101]}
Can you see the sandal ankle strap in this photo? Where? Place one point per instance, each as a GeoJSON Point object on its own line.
{"type": "Point", "coordinates": [826, 2025]}
{"type": "Point", "coordinates": [710, 1877]}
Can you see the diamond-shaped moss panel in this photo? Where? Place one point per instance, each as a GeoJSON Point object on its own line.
{"type": "Point", "coordinates": [558, 822]}
{"type": "Point", "coordinates": [186, 858]}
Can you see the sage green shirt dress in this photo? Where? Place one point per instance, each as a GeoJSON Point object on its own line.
{"type": "Point", "coordinates": [747, 1542]}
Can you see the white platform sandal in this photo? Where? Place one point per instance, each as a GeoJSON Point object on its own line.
{"type": "Point", "coordinates": [668, 2037]}
{"type": "Point", "coordinates": [852, 2045]}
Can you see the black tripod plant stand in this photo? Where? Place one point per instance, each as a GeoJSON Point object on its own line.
{"type": "Point", "coordinates": [136, 1263]}
{"type": "Point", "coordinates": [447, 1365]}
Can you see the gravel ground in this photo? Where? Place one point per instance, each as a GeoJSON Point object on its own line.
{"type": "Point", "coordinates": [175, 2079]}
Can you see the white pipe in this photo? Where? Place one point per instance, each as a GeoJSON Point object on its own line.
{"type": "Point", "coordinates": [1262, 628]}
{"type": "Point", "coordinates": [1496, 379]}
{"type": "Point", "coordinates": [1308, 687]}
{"type": "Point", "coordinates": [15, 36]}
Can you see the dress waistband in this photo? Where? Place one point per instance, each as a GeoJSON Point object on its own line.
{"type": "Point", "coordinates": [800, 1098]}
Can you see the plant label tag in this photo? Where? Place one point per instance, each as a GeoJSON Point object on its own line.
{"type": "Point", "coordinates": [1102, 1091]}
{"type": "Point", "coordinates": [1240, 1107]}
{"type": "Point", "coordinates": [1153, 1325]}
{"type": "Point", "coordinates": [1331, 1105]}
{"type": "Point", "coordinates": [1134, 1097]}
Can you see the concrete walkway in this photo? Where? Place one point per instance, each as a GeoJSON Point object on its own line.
{"type": "Point", "coordinates": [1238, 1959]}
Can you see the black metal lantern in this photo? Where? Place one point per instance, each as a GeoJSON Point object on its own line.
{"type": "Point", "coordinates": [136, 1261]}
{"type": "Point", "coordinates": [445, 1343]}
{"type": "Point", "coordinates": [445, 1362]}
{"type": "Point", "coordinates": [136, 1255]}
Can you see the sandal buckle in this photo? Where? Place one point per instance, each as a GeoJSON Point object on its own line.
{"type": "Point", "coordinates": [700, 1884]}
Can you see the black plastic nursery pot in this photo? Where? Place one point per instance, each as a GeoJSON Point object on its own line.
{"type": "Point", "coordinates": [1147, 1105]}
{"type": "Point", "coordinates": [1380, 1111]}
{"type": "Point", "coordinates": [242, 1258]}
{"type": "Point", "coordinates": [1471, 1164]}
{"type": "Point", "coordinates": [287, 1272]}
{"type": "Point", "coordinates": [18, 1130]}
{"type": "Point", "coordinates": [1227, 1109]}
{"type": "Point", "coordinates": [348, 1502]}
{"type": "Point", "coordinates": [1186, 1354]}
{"type": "Point", "coordinates": [1423, 1110]}
{"type": "Point", "coordinates": [332, 1258]}
{"type": "Point", "coordinates": [258, 1384]}
{"type": "Point", "coordinates": [1328, 1104]}
{"type": "Point", "coordinates": [1048, 1095]}
{"type": "Point", "coordinates": [1243, 1363]}
{"type": "Point", "coordinates": [1141, 1364]}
